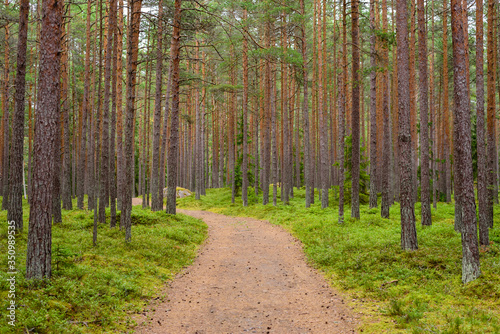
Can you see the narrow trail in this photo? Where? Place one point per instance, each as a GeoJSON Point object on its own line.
{"type": "Point", "coordinates": [249, 277]}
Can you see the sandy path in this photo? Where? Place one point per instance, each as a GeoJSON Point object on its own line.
{"type": "Point", "coordinates": [250, 277]}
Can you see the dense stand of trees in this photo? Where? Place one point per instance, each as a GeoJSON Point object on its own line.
{"type": "Point", "coordinates": [349, 103]}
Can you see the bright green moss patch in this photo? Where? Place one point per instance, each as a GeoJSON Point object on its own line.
{"type": "Point", "coordinates": [416, 292]}
{"type": "Point", "coordinates": [95, 289]}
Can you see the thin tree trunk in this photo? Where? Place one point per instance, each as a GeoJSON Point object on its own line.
{"type": "Point", "coordinates": [85, 112]}
{"type": "Point", "coordinates": [446, 116]}
{"type": "Point", "coordinates": [342, 88]}
{"type": "Point", "coordinates": [274, 138]}
{"type": "Point", "coordinates": [198, 151]}
{"type": "Point", "coordinates": [386, 153]}
{"type": "Point", "coordinates": [164, 145]}
{"type": "Point", "coordinates": [373, 109]}
{"type": "Point", "coordinates": [5, 123]}
{"type": "Point", "coordinates": [174, 127]}
{"type": "Point", "coordinates": [305, 112]}
{"type": "Point", "coordinates": [323, 137]}
{"type": "Point", "coordinates": [413, 103]}
{"type": "Point", "coordinates": [15, 212]}
{"type": "Point", "coordinates": [267, 120]}
{"type": "Point", "coordinates": [491, 110]}
{"type": "Point", "coordinates": [424, 127]}
{"type": "Point", "coordinates": [66, 162]}
{"type": "Point", "coordinates": [119, 111]}
{"type": "Point", "coordinates": [482, 176]}
{"type": "Point", "coordinates": [112, 137]}
{"type": "Point", "coordinates": [355, 110]}
{"type": "Point", "coordinates": [105, 157]}
{"type": "Point", "coordinates": [244, 167]}
{"type": "Point", "coordinates": [156, 192]}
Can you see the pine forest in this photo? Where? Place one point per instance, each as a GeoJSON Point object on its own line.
{"type": "Point", "coordinates": [360, 139]}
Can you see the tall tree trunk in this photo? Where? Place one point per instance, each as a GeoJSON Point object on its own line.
{"type": "Point", "coordinates": [342, 112]}
{"type": "Point", "coordinates": [342, 89]}
{"type": "Point", "coordinates": [66, 162]}
{"type": "Point", "coordinates": [408, 230]}
{"type": "Point", "coordinates": [156, 192]}
{"type": "Point", "coordinates": [470, 252]}
{"type": "Point", "coordinates": [323, 137]}
{"type": "Point", "coordinates": [5, 123]}
{"type": "Point", "coordinates": [491, 109]}
{"type": "Point", "coordinates": [119, 110]}
{"type": "Point", "coordinates": [482, 176]}
{"type": "Point", "coordinates": [355, 110]}
{"type": "Point", "coordinates": [174, 127]}
{"type": "Point", "coordinates": [39, 249]}
{"type": "Point", "coordinates": [413, 103]}
{"type": "Point", "coordinates": [446, 116]}
{"type": "Point", "coordinates": [132, 53]}
{"type": "Point", "coordinates": [112, 136]}
{"type": "Point", "coordinates": [305, 111]}
{"type": "Point", "coordinates": [198, 151]}
{"type": "Point", "coordinates": [433, 118]}
{"type": "Point", "coordinates": [82, 162]}
{"type": "Point", "coordinates": [386, 153]}
{"type": "Point", "coordinates": [15, 212]}
{"type": "Point", "coordinates": [274, 136]}
{"type": "Point", "coordinates": [267, 120]}
{"type": "Point", "coordinates": [424, 127]}
{"type": "Point", "coordinates": [164, 136]}
{"type": "Point", "coordinates": [373, 108]}
{"type": "Point", "coordinates": [105, 157]}
{"type": "Point", "coordinates": [244, 167]}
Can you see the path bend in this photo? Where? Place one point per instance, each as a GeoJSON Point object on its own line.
{"type": "Point", "coordinates": [249, 277]}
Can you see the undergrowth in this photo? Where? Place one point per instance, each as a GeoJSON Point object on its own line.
{"type": "Point", "coordinates": [398, 291]}
{"type": "Point", "coordinates": [96, 289]}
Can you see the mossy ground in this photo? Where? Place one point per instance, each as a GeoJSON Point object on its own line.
{"type": "Point", "coordinates": [96, 289]}
{"type": "Point", "coordinates": [362, 256]}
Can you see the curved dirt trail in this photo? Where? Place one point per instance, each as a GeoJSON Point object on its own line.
{"type": "Point", "coordinates": [249, 277]}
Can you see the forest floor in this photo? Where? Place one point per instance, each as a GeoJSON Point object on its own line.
{"type": "Point", "coordinates": [96, 288]}
{"type": "Point", "coordinates": [249, 277]}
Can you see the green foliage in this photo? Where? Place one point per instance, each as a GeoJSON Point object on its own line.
{"type": "Point", "coordinates": [416, 292]}
{"type": "Point", "coordinates": [96, 289]}
{"type": "Point", "coordinates": [386, 37]}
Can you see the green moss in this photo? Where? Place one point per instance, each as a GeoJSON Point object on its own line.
{"type": "Point", "coordinates": [363, 258]}
{"type": "Point", "coordinates": [95, 289]}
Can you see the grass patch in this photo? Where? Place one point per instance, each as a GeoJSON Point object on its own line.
{"type": "Point", "coordinates": [416, 292]}
{"type": "Point", "coordinates": [96, 289]}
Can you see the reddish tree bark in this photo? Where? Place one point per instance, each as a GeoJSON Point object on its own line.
{"type": "Point", "coordinates": [491, 109]}
{"type": "Point", "coordinates": [15, 212]}
{"type": "Point", "coordinates": [305, 111]}
{"type": "Point", "coordinates": [39, 249]}
{"type": "Point", "coordinates": [174, 127]}
{"type": "Point", "coordinates": [244, 167]}
{"type": "Point", "coordinates": [355, 110]}
{"type": "Point", "coordinates": [482, 176]}
{"type": "Point", "coordinates": [373, 108]}
{"type": "Point", "coordinates": [132, 53]}
{"type": "Point", "coordinates": [386, 153]}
